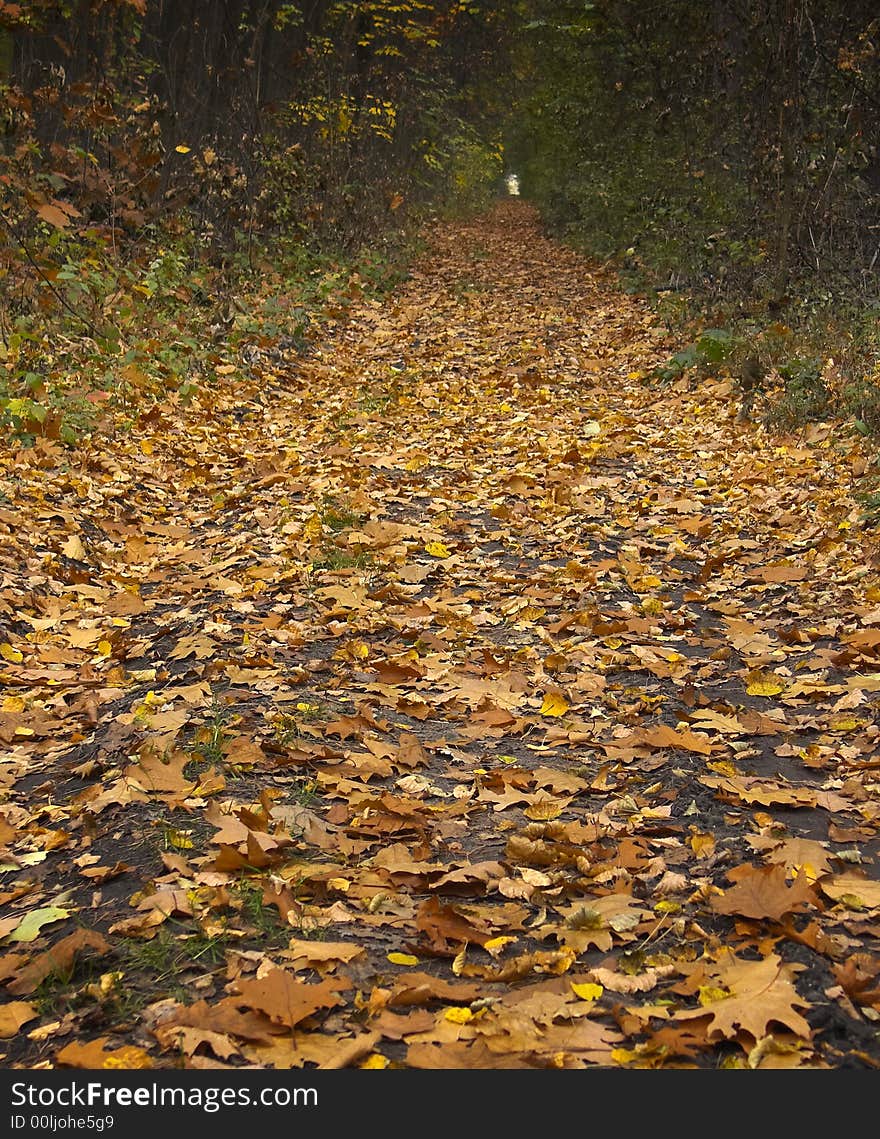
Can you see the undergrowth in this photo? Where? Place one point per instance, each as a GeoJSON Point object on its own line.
{"type": "Point", "coordinates": [104, 338]}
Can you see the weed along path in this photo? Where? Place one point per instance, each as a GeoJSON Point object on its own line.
{"type": "Point", "coordinates": [456, 695]}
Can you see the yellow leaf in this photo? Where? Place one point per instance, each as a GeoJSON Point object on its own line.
{"type": "Point", "coordinates": [852, 901]}
{"type": "Point", "coordinates": [146, 446]}
{"type": "Point", "coordinates": [808, 870]}
{"type": "Point", "coordinates": [313, 528]}
{"type": "Point", "coordinates": [11, 654]}
{"type": "Point", "coordinates": [554, 704]}
{"type": "Point", "coordinates": [128, 1057]}
{"type": "Point", "coordinates": [702, 845]}
{"type": "Point", "coordinates": [723, 767]}
{"type": "Point", "coordinates": [666, 907]}
{"type": "Point", "coordinates": [762, 683]}
{"type": "Point", "coordinates": [402, 959]}
{"type": "Point", "coordinates": [543, 811]}
{"type": "Point", "coordinates": [845, 723]}
{"type": "Point", "coordinates": [587, 991]}
{"type": "Point", "coordinates": [12, 704]}
{"type": "Point", "coordinates": [458, 962]}
{"type": "Point", "coordinates": [373, 1061]}
{"type": "Point", "coordinates": [182, 149]}
{"type": "Point", "coordinates": [104, 648]}
{"type": "Point", "coordinates": [495, 944]}
{"type": "Point", "coordinates": [457, 1015]}
{"type": "Point", "coordinates": [709, 994]}
{"type": "Point", "coordinates": [437, 550]}
{"type": "Point", "coordinates": [179, 839]}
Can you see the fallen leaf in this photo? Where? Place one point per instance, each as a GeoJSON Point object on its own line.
{"type": "Point", "coordinates": [95, 1055]}
{"type": "Point", "coordinates": [286, 1000]}
{"type": "Point", "coordinates": [13, 1015]}
{"type": "Point", "coordinates": [554, 704]}
{"type": "Point", "coordinates": [402, 959]}
{"type": "Point", "coordinates": [764, 892]}
{"type": "Point", "coordinates": [58, 960]}
{"type": "Point", "coordinates": [760, 682]}
{"type": "Point", "coordinates": [32, 923]}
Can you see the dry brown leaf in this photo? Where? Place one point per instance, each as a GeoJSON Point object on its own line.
{"type": "Point", "coordinates": [58, 959]}
{"type": "Point", "coordinates": [13, 1015]}
{"type": "Point", "coordinates": [762, 993]}
{"type": "Point", "coordinates": [765, 892]}
{"type": "Point", "coordinates": [286, 1000]}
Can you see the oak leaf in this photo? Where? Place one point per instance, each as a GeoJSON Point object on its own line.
{"type": "Point", "coordinates": [764, 892]}
{"type": "Point", "coordinates": [761, 993]}
{"type": "Point", "coordinates": [159, 774]}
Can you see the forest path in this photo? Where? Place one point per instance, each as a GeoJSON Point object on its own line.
{"type": "Point", "coordinates": [454, 696]}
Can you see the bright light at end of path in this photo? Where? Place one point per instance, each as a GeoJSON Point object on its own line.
{"type": "Point", "coordinates": [512, 182]}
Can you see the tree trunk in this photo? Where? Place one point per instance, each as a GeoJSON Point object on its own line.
{"type": "Point", "coordinates": [788, 107]}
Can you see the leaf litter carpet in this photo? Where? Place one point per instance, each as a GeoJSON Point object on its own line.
{"type": "Point", "coordinates": [452, 696]}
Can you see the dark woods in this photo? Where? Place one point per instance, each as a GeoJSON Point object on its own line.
{"type": "Point", "coordinates": [726, 157]}
{"type": "Point", "coordinates": [311, 119]}
{"type": "Point", "coordinates": [738, 137]}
